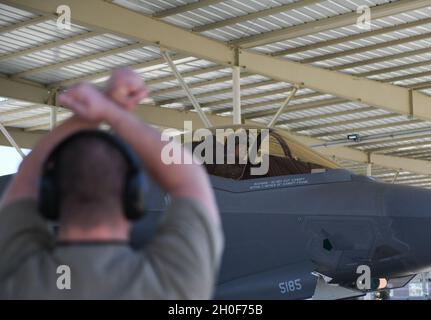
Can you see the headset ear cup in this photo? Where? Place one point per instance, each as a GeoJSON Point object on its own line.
{"type": "Point", "coordinates": [48, 202]}
{"type": "Point", "coordinates": [134, 197]}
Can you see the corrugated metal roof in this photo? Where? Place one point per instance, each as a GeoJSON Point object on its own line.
{"type": "Point", "coordinates": [399, 55]}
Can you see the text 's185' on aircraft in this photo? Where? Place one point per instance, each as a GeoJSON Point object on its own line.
{"type": "Point", "coordinates": [302, 230]}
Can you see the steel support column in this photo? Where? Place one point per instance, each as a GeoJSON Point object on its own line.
{"type": "Point", "coordinates": [236, 87]}
{"type": "Point", "coordinates": [11, 140]}
{"type": "Point", "coordinates": [280, 111]}
{"type": "Point", "coordinates": [186, 88]}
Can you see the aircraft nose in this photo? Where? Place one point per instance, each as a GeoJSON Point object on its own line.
{"type": "Point", "coordinates": [408, 210]}
{"type": "Point", "coordinates": [407, 202]}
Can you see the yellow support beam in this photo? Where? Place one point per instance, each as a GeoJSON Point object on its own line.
{"type": "Point", "coordinates": [98, 14]}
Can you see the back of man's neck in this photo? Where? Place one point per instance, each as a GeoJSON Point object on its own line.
{"type": "Point", "coordinates": [76, 236]}
{"type": "Point", "coordinates": [99, 233]}
{"type": "Point", "coordinates": [88, 224]}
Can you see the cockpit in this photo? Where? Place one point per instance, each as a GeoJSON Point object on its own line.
{"type": "Point", "coordinates": [285, 156]}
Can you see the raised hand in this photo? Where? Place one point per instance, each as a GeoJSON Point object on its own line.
{"type": "Point", "coordinates": [87, 102]}
{"type": "Point", "coordinates": [126, 88]}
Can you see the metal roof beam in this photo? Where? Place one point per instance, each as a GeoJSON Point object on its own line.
{"type": "Point", "coordinates": [48, 45]}
{"type": "Point", "coordinates": [392, 140]}
{"type": "Point", "coordinates": [395, 69]}
{"type": "Point", "coordinates": [411, 153]}
{"type": "Point", "coordinates": [40, 127]}
{"type": "Point", "coordinates": [78, 60]}
{"type": "Point", "coordinates": [366, 128]}
{"type": "Point", "coordinates": [37, 117]}
{"type": "Point", "coordinates": [25, 23]}
{"type": "Point", "coordinates": [216, 92]}
{"type": "Point", "coordinates": [187, 74]}
{"type": "Point", "coordinates": [259, 114]}
{"type": "Point", "coordinates": [420, 85]}
{"type": "Point", "coordinates": [261, 95]}
{"type": "Point", "coordinates": [23, 91]}
{"type": "Point", "coordinates": [106, 74]}
{"type": "Point", "coordinates": [400, 100]}
{"type": "Point", "coordinates": [185, 8]}
{"type": "Point", "coordinates": [380, 59]}
{"type": "Point", "coordinates": [344, 122]}
{"type": "Point", "coordinates": [408, 76]}
{"type": "Point", "coordinates": [197, 84]}
{"type": "Point", "coordinates": [354, 37]}
{"type": "Point", "coordinates": [255, 15]}
{"type": "Point", "coordinates": [296, 107]}
{"type": "Point", "coordinates": [325, 115]}
{"type": "Point", "coordinates": [16, 111]}
{"type": "Point", "coordinates": [397, 147]}
{"type": "Point", "coordinates": [376, 46]}
{"type": "Point", "coordinates": [334, 22]}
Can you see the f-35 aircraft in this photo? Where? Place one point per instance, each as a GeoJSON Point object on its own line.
{"type": "Point", "coordinates": [302, 230]}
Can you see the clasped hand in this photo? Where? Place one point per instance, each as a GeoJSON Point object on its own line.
{"type": "Point", "coordinates": [125, 89]}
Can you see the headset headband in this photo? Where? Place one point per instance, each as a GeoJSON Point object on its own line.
{"type": "Point", "coordinates": [115, 141]}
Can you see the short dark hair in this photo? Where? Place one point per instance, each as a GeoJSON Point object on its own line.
{"type": "Point", "coordinates": [91, 172]}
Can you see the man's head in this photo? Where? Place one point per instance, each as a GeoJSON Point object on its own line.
{"type": "Point", "coordinates": [91, 180]}
{"type": "Point", "coordinates": [91, 177]}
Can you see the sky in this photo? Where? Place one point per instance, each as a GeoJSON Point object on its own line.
{"type": "Point", "coordinates": [9, 160]}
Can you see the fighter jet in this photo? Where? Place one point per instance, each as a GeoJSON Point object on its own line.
{"type": "Point", "coordinates": [308, 229]}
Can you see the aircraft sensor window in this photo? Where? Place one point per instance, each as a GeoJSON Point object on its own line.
{"type": "Point", "coordinates": [327, 245]}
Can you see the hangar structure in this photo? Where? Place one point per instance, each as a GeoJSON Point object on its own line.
{"type": "Point", "coordinates": [305, 66]}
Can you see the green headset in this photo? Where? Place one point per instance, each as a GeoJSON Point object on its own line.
{"type": "Point", "coordinates": [136, 185]}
